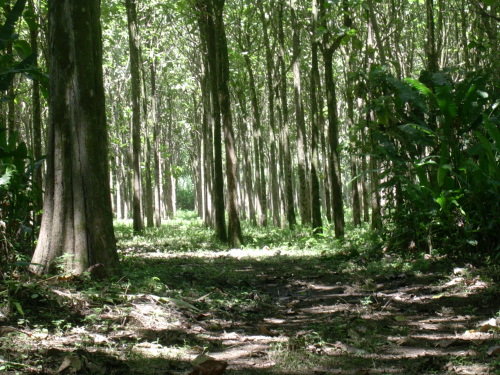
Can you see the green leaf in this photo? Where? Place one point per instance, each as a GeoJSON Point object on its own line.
{"type": "Point", "coordinates": [419, 86]}
{"type": "Point", "coordinates": [19, 308]}
{"type": "Point", "coordinates": [443, 173]}
{"type": "Point", "coordinates": [22, 48]}
{"type": "Point", "coordinates": [7, 29]}
{"type": "Point", "coordinates": [493, 132]}
{"type": "Point", "coordinates": [22, 66]}
{"type": "Point", "coordinates": [5, 179]}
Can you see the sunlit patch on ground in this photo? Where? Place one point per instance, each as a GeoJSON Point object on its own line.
{"type": "Point", "coordinates": [271, 307]}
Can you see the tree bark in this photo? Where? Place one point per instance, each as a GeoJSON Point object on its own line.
{"type": "Point", "coordinates": [156, 146]}
{"type": "Point", "coordinates": [285, 139]}
{"type": "Point", "coordinates": [208, 34]}
{"type": "Point", "coordinates": [317, 222]}
{"type": "Point", "coordinates": [235, 236]}
{"type": "Point", "coordinates": [305, 195]}
{"type": "Point", "coordinates": [77, 222]}
{"type": "Point", "coordinates": [37, 128]}
{"type": "Point", "coordinates": [328, 49]}
{"type": "Point", "coordinates": [273, 163]}
{"type": "Point", "coordinates": [133, 33]}
{"type": "Point", "coordinates": [260, 182]}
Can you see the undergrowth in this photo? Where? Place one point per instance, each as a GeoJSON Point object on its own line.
{"type": "Point", "coordinates": [179, 276]}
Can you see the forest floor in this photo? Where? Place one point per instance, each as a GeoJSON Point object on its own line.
{"type": "Point", "coordinates": [284, 304]}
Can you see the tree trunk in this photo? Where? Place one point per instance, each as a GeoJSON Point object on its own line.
{"type": "Point", "coordinates": [333, 140]}
{"type": "Point", "coordinates": [285, 139]}
{"type": "Point", "coordinates": [333, 127]}
{"type": "Point", "coordinates": [305, 195]}
{"type": "Point", "coordinates": [432, 55]}
{"type": "Point", "coordinates": [77, 222]}
{"type": "Point", "coordinates": [208, 33]}
{"type": "Point", "coordinates": [235, 236]}
{"type": "Point", "coordinates": [133, 33]}
{"type": "Point", "coordinates": [260, 183]}
{"type": "Point", "coordinates": [37, 128]}
{"type": "Point", "coordinates": [317, 222]}
{"type": "Point", "coordinates": [156, 146]}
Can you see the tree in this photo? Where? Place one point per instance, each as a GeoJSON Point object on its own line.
{"type": "Point", "coordinates": [135, 73]}
{"type": "Point", "coordinates": [77, 223]}
{"type": "Point", "coordinates": [317, 222]}
{"type": "Point", "coordinates": [305, 197]}
{"type": "Point", "coordinates": [328, 50]}
{"type": "Point", "coordinates": [235, 236]}
{"type": "Point", "coordinates": [208, 36]}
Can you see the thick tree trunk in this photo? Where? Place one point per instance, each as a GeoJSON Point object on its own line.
{"type": "Point", "coordinates": [77, 222]}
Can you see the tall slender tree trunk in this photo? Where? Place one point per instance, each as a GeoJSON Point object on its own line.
{"type": "Point", "coordinates": [317, 222]}
{"type": "Point", "coordinates": [37, 126]}
{"type": "Point", "coordinates": [133, 34]}
{"type": "Point", "coordinates": [208, 155]}
{"type": "Point", "coordinates": [208, 33]}
{"type": "Point", "coordinates": [328, 49]}
{"type": "Point", "coordinates": [273, 162]}
{"type": "Point", "coordinates": [77, 220]}
{"type": "Point", "coordinates": [356, 202]}
{"type": "Point", "coordinates": [235, 236]}
{"type": "Point", "coordinates": [431, 51]}
{"type": "Point", "coordinates": [285, 139]}
{"type": "Point", "coordinates": [305, 195]}
{"type": "Point", "coordinates": [156, 145]}
{"type": "Point", "coordinates": [260, 183]}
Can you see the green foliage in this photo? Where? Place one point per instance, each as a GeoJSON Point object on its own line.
{"type": "Point", "coordinates": [185, 198]}
{"type": "Point", "coordinates": [22, 59]}
{"type": "Point", "coordinates": [439, 144]}
{"type": "Point", "coordinates": [16, 200]}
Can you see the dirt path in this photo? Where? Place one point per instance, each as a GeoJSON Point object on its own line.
{"type": "Point", "coordinates": [273, 312]}
{"type": "Point", "coordinates": [301, 316]}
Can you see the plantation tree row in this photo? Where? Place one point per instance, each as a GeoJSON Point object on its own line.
{"type": "Point", "coordinates": [285, 112]}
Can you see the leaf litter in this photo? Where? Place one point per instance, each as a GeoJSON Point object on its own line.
{"type": "Point", "coordinates": [249, 311]}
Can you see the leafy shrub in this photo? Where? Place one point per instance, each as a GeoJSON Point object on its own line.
{"type": "Point", "coordinates": [17, 193]}
{"type": "Point", "coordinates": [439, 145]}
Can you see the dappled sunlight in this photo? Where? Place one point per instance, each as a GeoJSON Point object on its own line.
{"type": "Point", "coordinates": [277, 307]}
